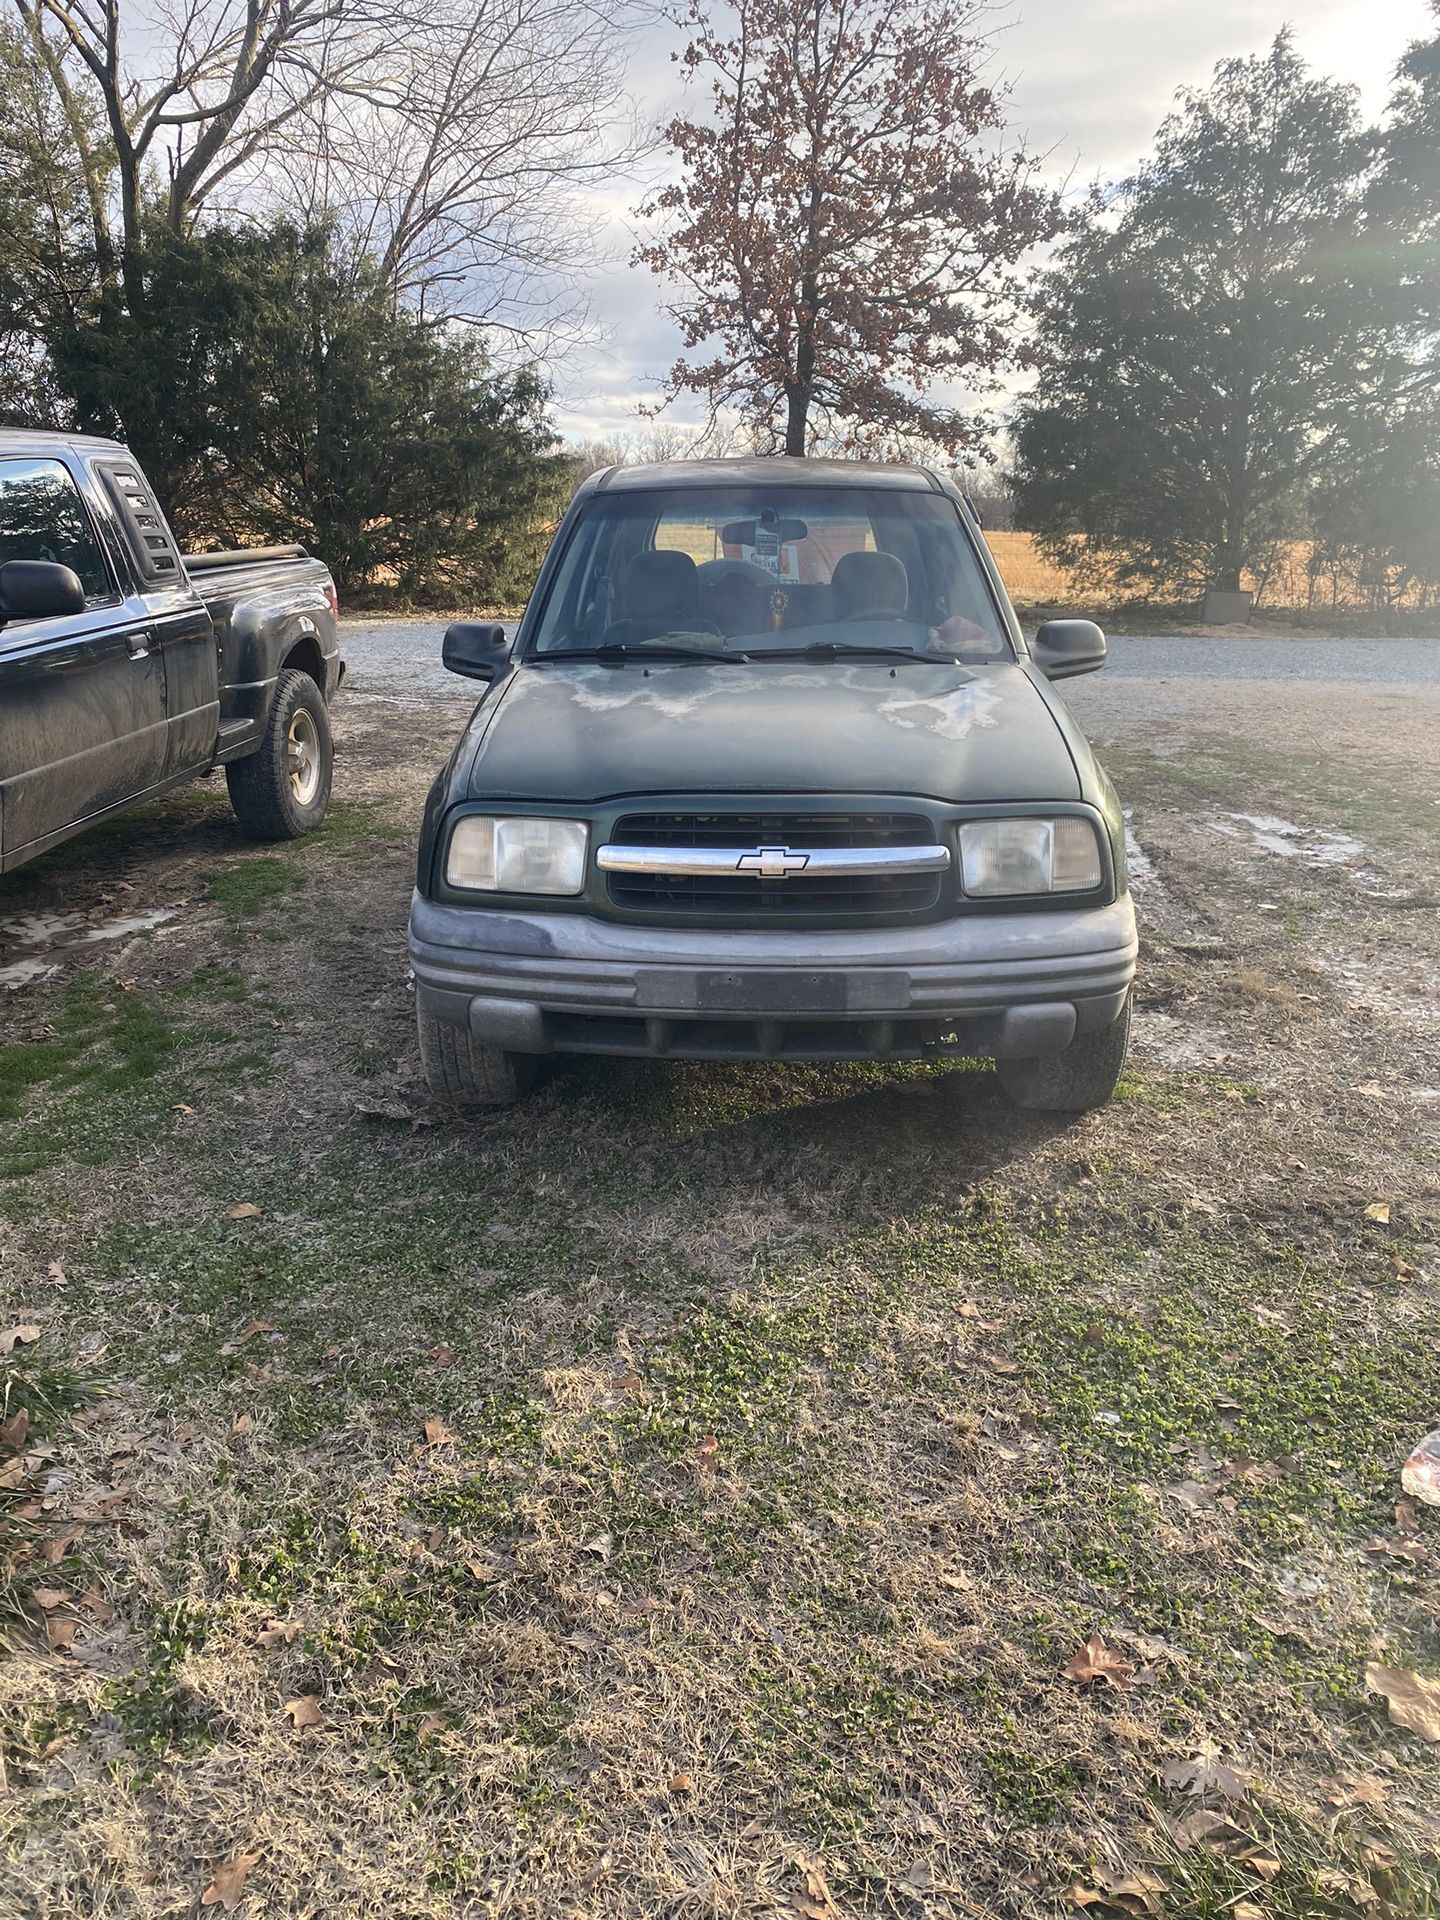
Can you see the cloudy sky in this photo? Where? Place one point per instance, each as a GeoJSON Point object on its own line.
{"type": "Point", "coordinates": [1090, 83]}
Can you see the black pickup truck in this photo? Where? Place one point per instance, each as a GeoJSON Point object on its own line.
{"type": "Point", "coordinates": [127, 667]}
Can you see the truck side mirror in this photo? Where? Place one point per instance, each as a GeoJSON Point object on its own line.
{"type": "Point", "coordinates": [1065, 647]}
{"type": "Point", "coordinates": [38, 590]}
{"type": "Point", "coordinates": [475, 649]}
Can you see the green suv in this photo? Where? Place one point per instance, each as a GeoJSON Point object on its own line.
{"type": "Point", "coordinates": [769, 772]}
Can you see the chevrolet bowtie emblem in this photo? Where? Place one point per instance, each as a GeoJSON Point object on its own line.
{"type": "Point", "coordinates": [772, 863]}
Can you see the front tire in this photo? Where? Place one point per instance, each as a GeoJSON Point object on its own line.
{"type": "Point", "coordinates": [465, 1072]}
{"type": "Point", "coordinates": [282, 790]}
{"type": "Point", "coordinates": [1081, 1078]}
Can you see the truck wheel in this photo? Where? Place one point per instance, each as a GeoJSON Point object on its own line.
{"type": "Point", "coordinates": [461, 1069]}
{"type": "Point", "coordinates": [1082, 1077]}
{"type": "Point", "coordinates": [283, 789]}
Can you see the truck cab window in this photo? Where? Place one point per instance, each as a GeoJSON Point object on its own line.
{"type": "Point", "coordinates": [42, 517]}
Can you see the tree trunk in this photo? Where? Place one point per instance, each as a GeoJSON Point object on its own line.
{"type": "Point", "coordinates": [797, 415]}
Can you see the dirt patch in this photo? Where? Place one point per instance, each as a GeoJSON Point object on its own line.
{"type": "Point", "coordinates": [690, 1489]}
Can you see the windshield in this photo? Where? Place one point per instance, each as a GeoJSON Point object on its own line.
{"type": "Point", "coordinates": [726, 571]}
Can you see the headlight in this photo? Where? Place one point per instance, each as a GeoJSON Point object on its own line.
{"type": "Point", "coordinates": [517, 856]}
{"type": "Point", "coordinates": [1029, 856]}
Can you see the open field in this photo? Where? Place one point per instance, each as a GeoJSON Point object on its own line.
{"type": "Point", "coordinates": [1300, 582]}
{"type": "Point", "coordinates": [683, 1495]}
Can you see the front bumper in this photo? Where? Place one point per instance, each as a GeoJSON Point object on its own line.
{"type": "Point", "coordinates": [1006, 985]}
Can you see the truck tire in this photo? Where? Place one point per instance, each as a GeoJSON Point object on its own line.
{"type": "Point", "coordinates": [465, 1072]}
{"type": "Point", "coordinates": [1082, 1077]}
{"type": "Point", "coordinates": [283, 789]}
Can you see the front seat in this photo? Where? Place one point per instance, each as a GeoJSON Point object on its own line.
{"type": "Point", "coordinates": [870, 586]}
{"type": "Point", "coordinates": [660, 594]}
{"type": "Point", "coordinates": [737, 603]}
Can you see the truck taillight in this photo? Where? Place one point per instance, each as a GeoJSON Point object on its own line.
{"type": "Point", "coordinates": [333, 597]}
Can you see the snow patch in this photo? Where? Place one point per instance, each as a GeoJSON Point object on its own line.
{"type": "Point", "coordinates": [28, 941]}
{"type": "Point", "coordinates": [1313, 846]}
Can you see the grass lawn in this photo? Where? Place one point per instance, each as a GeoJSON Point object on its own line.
{"type": "Point", "coordinates": [689, 1493]}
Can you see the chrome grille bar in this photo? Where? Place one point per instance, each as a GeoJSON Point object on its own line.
{"type": "Point", "coordinates": [772, 862]}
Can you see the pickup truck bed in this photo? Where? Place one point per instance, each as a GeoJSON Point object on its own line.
{"type": "Point", "coordinates": [161, 667]}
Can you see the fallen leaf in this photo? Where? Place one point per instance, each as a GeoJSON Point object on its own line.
{"type": "Point", "coordinates": [629, 1382]}
{"type": "Point", "coordinates": [815, 1900]}
{"type": "Point", "coordinates": [60, 1633]}
{"type": "Point", "coordinates": [706, 1452]}
{"type": "Point", "coordinates": [1247, 1910]}
{"type": "Point", "coordinates": [53, 1551]}
{"type": "Point", "coordinates": [179, 1106]}
{"type": "Point", "coordinates": [1354, 1790]}
{"type": "Point", "coordinates": [1413, 1699]}
{"type": "Point", "coordinates": [1204, 1824]}
{"type": "Point", "coordinates": [1259, 1860]}
{"type": "Point", "coordinates": [437, 1434]}
{"type": "Point", "coordinates": [1403, 1268]}
{"type": "Point", "coordinates": [1206, 1776]}
{"type": "Point", "coordinates": [58, 1275]}
{"type": "Point", "coordinates": [428, 1725]}
{"type": "Point", "coordinates": [22, 1336]}
{"type": "Point", "coordinates": [1082, 1896]}
{"type": "Point", "coordinates": [227, 1889]}
{"type": "Point", "coordinates": [49, 1598]}
{"type": "Point", "coordinates": [243, 1423]}
{"type": "Point", "coordinates": [14, 1430]}
{"type": "Point", "coordinates": [96, 1605]}
{"type": "Point", "coordinates": [1095, 1661]}
{"type": "Point", "coordinates": [280, 1633]}
{"type": "Point", "coordinates": [252, 1327]}
{"type": "Point", "coordinates": [682, 1783]}
{"type": "Point", "coordinates": [1379, 1210]}
{"type": "Point", "coordinates": [602, 1546]}
{"type": "Point", "coordinates": [1140, 1893]}
{"type": "Point", "coordinates": [306, 1711]}
{"type": "Point", "coordinates": [440, 1355]}
{"type": "Point", "coordinates": [245, 1210]}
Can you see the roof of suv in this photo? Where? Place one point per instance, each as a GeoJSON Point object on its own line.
{"type": "Point", "coordinates": [768, 470]}
{"type": "Point", "coordinates": [32, 440]}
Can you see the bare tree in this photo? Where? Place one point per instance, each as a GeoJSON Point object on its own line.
{"type": "Point", "coordinates": [450, 137]}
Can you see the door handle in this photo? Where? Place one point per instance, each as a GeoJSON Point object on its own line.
{"type": "Point", "coordinates": [137, 643]}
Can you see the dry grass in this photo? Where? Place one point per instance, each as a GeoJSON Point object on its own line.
{"type": "Point", "coordinates": [804, 1422]}
{"type": "Point", "coordinates": [1299, 580]}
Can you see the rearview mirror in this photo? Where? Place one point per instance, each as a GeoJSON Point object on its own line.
{"type": "Point", "coordinates": [38, 590]}
{"type": "Point", "coordinates": [1065, 647]}
{"type": "Point", "coordinates": [476, 649]}
{"type": "Point", "coordinates": [745, 533]}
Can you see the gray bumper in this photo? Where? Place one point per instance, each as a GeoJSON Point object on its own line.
{"type": "Point", "coordinates": [1008, 985]}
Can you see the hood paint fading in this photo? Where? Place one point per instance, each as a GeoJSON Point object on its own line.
{"type": "Point", "coordinates": [587, 732]}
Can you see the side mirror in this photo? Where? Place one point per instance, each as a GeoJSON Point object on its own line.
{"type": "Point", "coordinates": [475, 649]}
{"type": "Point", "coordinates": [38, 590]}
{"type": "Point", "coordinates": [1065, 647]}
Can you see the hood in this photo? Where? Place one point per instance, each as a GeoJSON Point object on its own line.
{"type": "Point", "coordinates": [587, 731]}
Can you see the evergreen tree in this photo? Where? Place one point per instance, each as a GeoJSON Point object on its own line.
{"type": "Point", "coordinates": [278, 391]}
{"type": "Point", "coordinates": [1206, 337]}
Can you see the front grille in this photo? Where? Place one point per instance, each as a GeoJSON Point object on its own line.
{"type": "Point", "coordinates": [748, 894]}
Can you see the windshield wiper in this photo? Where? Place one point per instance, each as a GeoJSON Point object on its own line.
{"type": "Point", "coordinates": [637, 650]}
{"type": "Point", "coordinates": [831, 649]}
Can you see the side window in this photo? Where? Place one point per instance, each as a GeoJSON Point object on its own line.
{"type": "Point", "coordinates": [42, 517]}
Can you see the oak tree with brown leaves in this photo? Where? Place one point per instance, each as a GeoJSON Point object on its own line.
{"type": "Point", "coordinates": [848, 220]}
